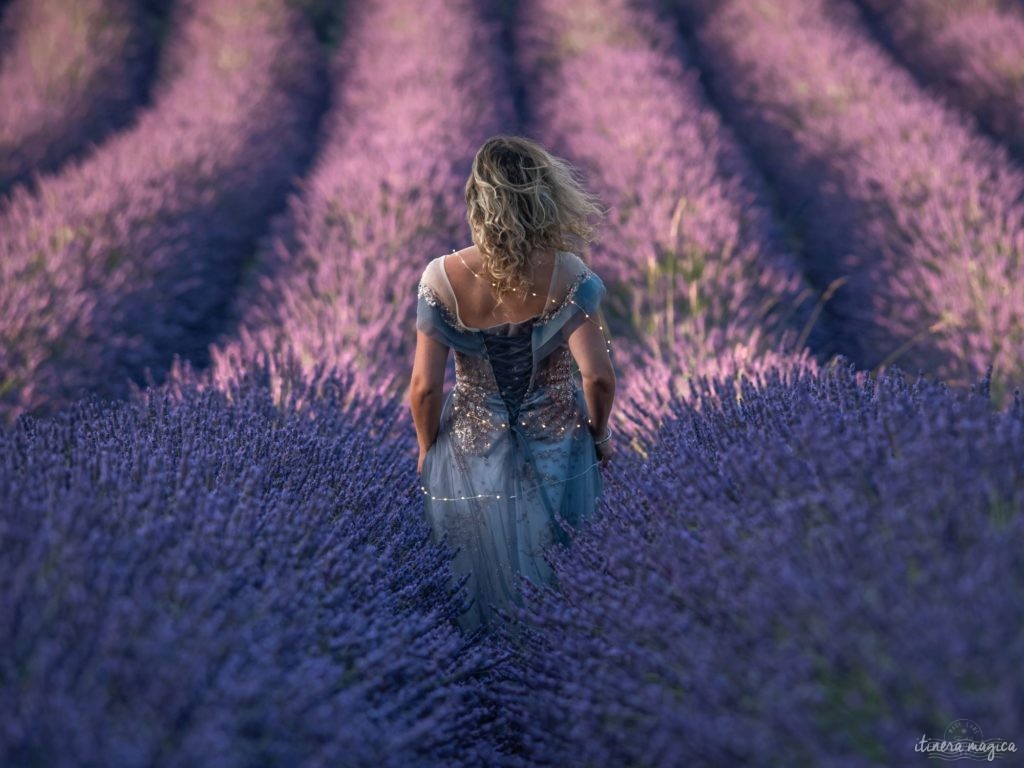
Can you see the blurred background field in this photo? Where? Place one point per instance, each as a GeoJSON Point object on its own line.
{"type": "Point", "coordinates": [213, 218]}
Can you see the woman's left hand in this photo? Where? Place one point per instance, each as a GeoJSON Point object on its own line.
{"type": "Point", "coordinates": [423, 456]}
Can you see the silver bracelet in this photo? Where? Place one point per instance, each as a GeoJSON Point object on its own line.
{"type": "Point", "coordinates": [604, 439]}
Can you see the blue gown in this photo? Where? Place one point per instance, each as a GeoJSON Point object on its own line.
{"type": "Point", "coordinates": [514, 460]}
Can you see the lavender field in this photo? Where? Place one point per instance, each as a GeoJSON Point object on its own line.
{"type": "Point", "coordinates": [213, 218]}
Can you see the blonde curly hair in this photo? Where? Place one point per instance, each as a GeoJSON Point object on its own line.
{"type": "Point", "coordinates": [521, 199]}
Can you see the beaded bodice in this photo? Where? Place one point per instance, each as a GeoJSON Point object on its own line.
{"type": "Point", "coordinates": [514, 376]}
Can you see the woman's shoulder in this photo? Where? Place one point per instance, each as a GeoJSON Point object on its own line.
{"type": "Point", "coordinates": [433, 264]}
{"type": "Point", "coordinates": [433, 273]}
{"type": "Point", "coordinates": [435, 268]}
{"type": "Point", "coordinates": [436, 289]}
{"type": "Point", "coordinates": [432, 286]}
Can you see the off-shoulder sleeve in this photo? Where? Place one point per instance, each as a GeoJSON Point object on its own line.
{"type": "Point", "coordinates": [582, 303]}
{"type": "Point", "coordinates": [431, 317]}
{"type": "Point", "coordinates": [435, 318]}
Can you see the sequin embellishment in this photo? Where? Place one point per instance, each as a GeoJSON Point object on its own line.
{"type": "Point", "coordinates": [569, 296]}
{"type": "Point", "coordinates": [427, 293]}
{"type": "Point", "coordinates": [472, 422]}
{"type": "Point", "coordinates": [558, 412]}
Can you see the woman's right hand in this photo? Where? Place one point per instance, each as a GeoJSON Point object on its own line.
{"type": "Point", "coordinates": [605, 451]}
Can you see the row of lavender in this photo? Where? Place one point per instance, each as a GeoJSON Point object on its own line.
{"type": "Point", "coordinates": [971, 53]}
{"type": "Point", "coordinates": [124, 258]}
{"type": "Point", "coordinates": [70, 74]}
{"type": "Point", "coordinates": [896, 194]}
{"type": "Point", "coordinates": [335, 286]}
{"type": "Point", "coordinates": [760, 588]}
{"type": "Point", "coordinates": [252, 536]}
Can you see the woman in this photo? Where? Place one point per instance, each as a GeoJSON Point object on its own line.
{"type": "Point", "coordinates": [515, 452]}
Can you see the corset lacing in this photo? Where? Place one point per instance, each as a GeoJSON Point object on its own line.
{"type": "Point", "coordinates": [511, 358]}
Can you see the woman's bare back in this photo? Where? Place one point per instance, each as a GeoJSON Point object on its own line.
{"type": "Point", "coordinates": [478, 308]}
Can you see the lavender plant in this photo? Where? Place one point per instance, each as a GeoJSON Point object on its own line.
{"type": "Point", "coordinates": [897, 195]}
{"type": "Point", "coordinates": [818, 572]}
{"type": "Point", "coordinates": [127, 257]}
{"type": "Point", "coordinates": [70, 74]}
{"type": "Point", "coordinates": [971, 53]}
{"type": "Point", "coordinates": [206, 577]}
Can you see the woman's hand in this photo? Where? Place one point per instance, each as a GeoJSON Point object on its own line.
{"type": "Point", "coordinates": [604, 448]}
{"type": "Point", "coordinates": [423, 456]}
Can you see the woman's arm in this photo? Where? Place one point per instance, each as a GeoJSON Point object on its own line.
{"type": "Point", "coordinates": [589, 348]}
{"type": "Point", "coordinates": [426, 390]}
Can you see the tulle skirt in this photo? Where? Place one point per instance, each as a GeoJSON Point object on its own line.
{"type": "Point", "coordinates": [502, 508]}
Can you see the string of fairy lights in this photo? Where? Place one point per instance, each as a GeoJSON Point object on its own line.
{"type": "Point", "coordinates": [586, 316]}
{"type": "Point", "coordinates": [510, 496]}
